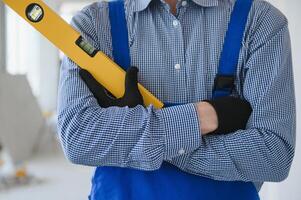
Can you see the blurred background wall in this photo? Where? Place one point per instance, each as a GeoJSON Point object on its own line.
{"type": "Point", "coordinates": [2, 37]}
{"type": "Point", "coordinates": [26, 52]}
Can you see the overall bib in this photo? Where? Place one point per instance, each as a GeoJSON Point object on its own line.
{"type": "Point", "coordinates": [114, 183]}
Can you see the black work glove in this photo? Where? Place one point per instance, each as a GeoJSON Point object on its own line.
{"type": "Point", "coordinates": [131, 97]}
{"type": "Point", "coordinates": [232, 113]}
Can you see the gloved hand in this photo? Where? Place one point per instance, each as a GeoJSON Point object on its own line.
{"type": "Point", "coordinates": [131, 98]}
{"type": "Point", "coordinates": [232, 113]}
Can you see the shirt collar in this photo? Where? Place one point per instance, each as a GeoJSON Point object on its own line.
{"type": "Point", "coordinates": [140, 5]}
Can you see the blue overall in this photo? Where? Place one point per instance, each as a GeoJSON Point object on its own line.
{"type": "Point", "coordinates": [114, 183]}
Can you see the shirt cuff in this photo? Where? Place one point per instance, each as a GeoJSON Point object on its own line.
{"type": "Point", "coordinates": [181, 129]}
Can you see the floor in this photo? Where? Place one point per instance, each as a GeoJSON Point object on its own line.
{"type": "Point", "coordinates": [53, 173]}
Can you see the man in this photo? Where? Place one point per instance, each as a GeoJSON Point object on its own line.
{"type": "Point", "coordinates": [176, 45]}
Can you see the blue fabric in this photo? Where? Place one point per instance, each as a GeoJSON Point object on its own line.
{"type": "Point", "coordinates": [221, 93]}
{"type": "Point", "coordinates": [127, 184]}
{"type": "Point", "coordinates": [122, 183]}
{"type": "Point", "coordinates": [120, 41]}
{"type": "Point", "coordinates": [233, 41]}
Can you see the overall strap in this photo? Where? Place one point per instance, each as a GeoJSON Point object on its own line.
{"type": "Point", "coordinates": [224, 81]}
{"type": "Point", "coordinates": [119, 34]}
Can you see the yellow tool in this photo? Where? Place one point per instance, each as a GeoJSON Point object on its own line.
{"type": "Point", "coordinates": [69, 41]}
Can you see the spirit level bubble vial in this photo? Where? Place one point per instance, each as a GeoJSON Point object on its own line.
{"type": "Point", "coordinates": [69, 41]}
{"type": "Point", "coordinates": [34, 12]}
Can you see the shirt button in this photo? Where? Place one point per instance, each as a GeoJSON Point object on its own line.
{"type": "Point", "coordinates": [175, 23]}
{"type": "Point", "coordinates": [182, 151]}
{"type": "Point", "coordinates": [177, 66]}
{"type": "Point", "coordinates": [184, 3]}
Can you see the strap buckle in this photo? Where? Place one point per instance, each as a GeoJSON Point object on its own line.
{"type": "Point", "coordinates": [224, 83]}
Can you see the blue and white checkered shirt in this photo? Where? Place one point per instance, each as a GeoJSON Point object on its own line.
{"type": "Point", "coordinates": [178, 58]}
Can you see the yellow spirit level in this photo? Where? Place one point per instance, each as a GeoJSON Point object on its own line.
{"type": "Point", "coordinates": [69, 41]}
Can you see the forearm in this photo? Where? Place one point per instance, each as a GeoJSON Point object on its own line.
{"type": "Point", "coordinates": [139, 137]}
{"type": "Point", "coordinates": [255, 155]}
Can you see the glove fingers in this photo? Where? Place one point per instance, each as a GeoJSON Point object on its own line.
{"type": "Point", "coordinates": [233, 113]}
{"type": "Point", "coordinates": [96, 88]}
{"type": "Point", "coordinates": [131, 79]}
{"type": "Point", "coordinates": [244, 113]}
{"type": "Point", "coordinates": [132, 96]}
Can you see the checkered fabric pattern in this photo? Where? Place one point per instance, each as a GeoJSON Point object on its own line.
{"type": "Point", "coordinates": [178, 59]}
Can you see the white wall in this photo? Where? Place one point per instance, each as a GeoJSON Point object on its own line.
{"type": "Point", "coordinates": [2, 37]}
{"type": "Point", "coordinates": [34, 56]}
{"type": "Point", "coordinates": [49, 64]}
{"type": "Point", "coordinates": [290, 189]}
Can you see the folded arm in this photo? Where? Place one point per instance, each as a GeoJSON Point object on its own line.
{"type": "Point", "coordinates": [125, 137]}
{"type": "Point", "coordinates": [264, 151]}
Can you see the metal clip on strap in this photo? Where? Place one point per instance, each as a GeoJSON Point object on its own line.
{"type": "Point", "coordinates": [224, 82]}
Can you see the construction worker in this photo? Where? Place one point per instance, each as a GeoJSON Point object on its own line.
{"type": "Point", "coordinates": [222, 133]}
